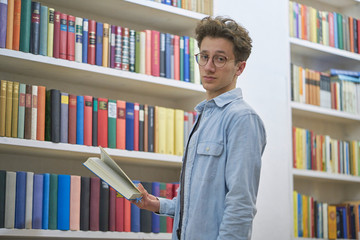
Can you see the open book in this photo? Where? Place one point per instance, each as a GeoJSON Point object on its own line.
{"type": "Point", "coordinates": [106, 169]}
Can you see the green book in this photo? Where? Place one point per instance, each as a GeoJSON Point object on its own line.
{"type": "Point", "coordinates": [163, 218]}
{"type": "Point", "coordinates": [137, 52]}
{"type": "Point", "coordinates": [182, 58]}
{"type": "Point", "coordinates": [21, 114]}
{"type": "Point", "coordinates": [25, 23]}
{"type": "Point", "coordinates": [48, 116]}
{"type": "Point", "coordinates": [340, 31]}
{"type": "Point", "coordinates": [191, 59]}
{"type": "Point", "coordinates": [112, 123]}
{"type": "Point", "coordinates": [53, 201]}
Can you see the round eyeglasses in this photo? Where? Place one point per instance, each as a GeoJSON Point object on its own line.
{"type": "Point", "coordinates": [218, 60]}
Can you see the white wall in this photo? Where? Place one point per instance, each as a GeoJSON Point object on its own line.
{"type": "Point", "coordinates": [265, 86]}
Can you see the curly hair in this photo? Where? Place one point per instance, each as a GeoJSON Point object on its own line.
{"type": "Point", "coordinates": [221, 27]}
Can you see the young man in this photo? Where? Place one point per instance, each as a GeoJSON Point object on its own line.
{"type": "Point", "coordinates": [221, 165]}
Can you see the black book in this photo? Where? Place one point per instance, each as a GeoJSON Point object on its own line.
{"type": "Point", "coordinates": [145, 215]}
{"type": "Point", "coordinates": [141, 127]}
{"type": "Point", "coordinates": [85, 204]}
{"type": "Point", "coordinates": [48, 116]}
{"type": "Point", "coordinates": [2, 197]}
{"type": "Point", "coordinates": [95, 122]}
{"type": "Point", "coordinates": [35, 28]}
{"type": "Point", "coordinates": [55, 115]}
{"type": "Point", "coordinates": [356, 29]}
{"type": "Point", "coordinates": [151, 115]}
{"type": "Point", "coordinates": [162, 55]}
{"type": "Point", "coordinates": [104, 207]}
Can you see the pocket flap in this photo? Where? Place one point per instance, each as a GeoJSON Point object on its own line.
{"type": "Point", "coordinates": [210, 148]}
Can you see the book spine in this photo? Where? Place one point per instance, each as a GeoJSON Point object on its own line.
{"type": "Point", "coordinates": [179, 132]}
{"type": "Point", "coordinates": [63, 36]}
{"type": "Point", "coordinates": [155, 53]}
{"type": "Point", "coordinates": [162, 55]}
{"type": "Point", "coordinates": [71, 38]}
{"type": "Point", "coordinates": [50, 36]}
{"type": "Point", "coordinates": [64, 122]}
{"type": "Point", "coordinates": [88, 120]}
{"type": "Point", "coordinates": [148, 52]}
{"type": "Point", "coordinates": [168, 55]}
{"type": "Point", "coordinates": [135, 216]}
{"type": "Point", "coordinates": [91, 41]}
{"type": "Point", "coordinates": [78, 39]}
{"type": "Point", "coordinates": [2, 107]}
{"type": "Point", "coordinates": [35, 28]}
{"type": "Point", "coordinates": [55, 115]}
{"type": "Point", "coordinates": [172, 64]}
{"type": "Point", "coordinates": [85, 204]}
{"type": "Point", "coordinates": [182, 58]}
{"type": "Point", "coordinates": [118, 47]}
{"type": "Point", "coordinates": [186, 59]}
{"type": "Point", "coordinates": [120, 124]}
{"type": "Point", "coordinates": [104, 206]}
{"type": "Point", "coordinates": [16, 30]}
{"type": "Point", "coordinates": [141, 127]}
{"type": "Point", "coordinates": [80, 120]}
{"type": "Point", "coordinates": [137, 52]}
{"type": "Point", "coordinates": [112, 46]}
{"type": "Point", "coordinates": [103, 122]}
{"type": "Point", "coordinates": [125, 49]}
{"type": "Point", "coordinates": [72, 119]}
{"type": "Point", "coordinates": [142, 60]}
{"type": "Point", "coordinates": [120, 213]}
{"type": "Point", "coordinates": [38, 190]}
{"type": "Point", "coordinates": [8, 112]}
{"type": "Point", "coordinates": [63, 213]}
{"type": "Point", "coordinates": [10, 196]}
{"type": "Point", "coordinates": [112, 123]}
{"type": "Point", "coordinates": [146, 216]}
{"type": "Point", "coordinates": [132, 50]}
{"type": "Point", "coordinates": [75, 192]}
{"type": "Point", "coordinates": [29, 199]}
{"type": "Point", "coordinates": [151, 128]}
{"type": "Point", "coordinates": [34, 99]}
{"type": "Point", "coordinates": [146, 127]}
{"type": "Point", "coordinates": [112, 209]}
{"type": "Point", "coordinates": [28, 103]}
{"type": "Point", "coordinates": [48, 116]}
{"type": "Point", "coordinates": [127, 216]}
{"type": "Point", "coordinates": [20, 200]}
{"type": "Point", "coordinates": [136, 126]}
{"type": "Point", "coordinates": [43, 30]}
{"type": "Point", "coordinates": [95, 122]}
{"type": "Point", "coordinates": [53, 201]}
{"type": "Point", "coordinates": [25, 23]}
{"type": "Point", "coordinates": [9, 24]}
{"type": "Point", "coordinates": [85, 40]}
{"type": "Point", "coordinates": [15, 110]}
{"type": "Point", "coordinates": [56, 40]}
{"type": "Point", "coordinates": [40, 129]}
{"type": "Point", "coordinates": [94, 204]}
{"type": "Point", "coordinates": [129, 126]}
{"type": "Point", "coordinates": [99, 43]}
{"type": "Point", "coordinates": [176, 57]}
{"type": "Point", "coordinates": [105, 47]}
{"type": "Point", "coordinates": [46, 199]}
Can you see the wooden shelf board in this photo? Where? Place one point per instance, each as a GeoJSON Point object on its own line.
{"type": "Point", "coordinates": [324, 176]}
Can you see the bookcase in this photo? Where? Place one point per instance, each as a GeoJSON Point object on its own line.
{"type": "Point", "coordinates": [322, 186]}
{"type": "Point", "coordinates": [85, 79]}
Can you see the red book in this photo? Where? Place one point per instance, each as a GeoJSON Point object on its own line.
{"type": "Point", "coordinates": [358, 28]}
{"type": "Point", "coordinates": [72, 119]}
{"type": "Point", "coordinates": [63, 36]}
{"type": "Point", "coordinates": [331, 29]}
{"type": "Point", "coordinates": [112, 209]}
{"type": "Point", "coordinates": [148, 52]}
{"type": "Point", "coordinates": [155, 53]}
{"type": "Point", "coordinates": [71, 38]}
{"type": "Point", "coordinates": [103, 122]}
{"type": "Point", "coordinates": [92, 42]}
{"type": "Point", "coordinates": [56, 47]}
{"type": "Point", "coordinates": [176, 57]}
{"type": "Point", "coordinates": [136, 126]}
{"type": "Point", "coordinates": [120, 124]}
{"type": "Point", "coordinates": [88, 120]}
{"type": "Point", "coordinates": [119, 212]}
{"type": "Point", "coordinates": [169, 195]}
{"type": "Point", "coordinates": [94, 204]}
{"type": "Point", "coordinates": [127, 216]}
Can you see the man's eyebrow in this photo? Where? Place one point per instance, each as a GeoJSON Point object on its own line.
{"type": "Point", "coordinates": [218, 51]}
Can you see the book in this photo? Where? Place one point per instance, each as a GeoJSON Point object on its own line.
{"type": "Point", "coordinates": [112, 109]}
{"type": "Point", "coordinates": [135, 216]}
{"type": "Point", "coordinates": [85, 204]}
{"type": "Point", "coordinates": [132, 50]}
{"type": "Point", "coordinates": [70, 54]}
{"type": "Point", "coordinates": [53, 201]}
{"type": "Point", "coordinates": [103, 122]}
{"type": "Point", "coordinates": [64, 115]}
{"type": "Point", "coordinates": [145, 215]}
{"type": "Point", "coordinates": [3, 84]}
{"type": "Point", "coordinates": [63, 212]}
{"type": "Point", "coordinates": [151, 128]}
{"type": "Point", "coordinates": [120, 124]}
{"type": "Point", "coordinates": [155, 53]}
{"type": "Point", "coordinates": [162, 55]}
{"type": "Point", "coordinates": [112, 210]}
{"type": "Point", "coordinates": [63, 38]}
{"type": "Point", "coordinates": [46, 201]}
{"type": "Point", "coordinates": [88, 120]}
{"type": "Point", "coordinates": [9, 23]}
{"type": "Point", "coordinates": [91, 42]}
{"type": "Point", "coordinates": [106, 169]}
{"type": "Point", "coordinates": [16, 25]}
{"type": "Point", "coordinates": [28, 112]}
{"type": "Point", "coordinates": [129, 126]}
{"type": "Point", "coordinates": [50, 31]}
{"type": "Point", "coordinates": [80, 120]}
{"type": "Point", "coordinates": [38, 201]}
{"type": "Point", "coordinates": [56, 37]}
{"type": "Point", "coordinates": [75, 195]}
{"type": "Point", "coordinates": [136, 127]}
{"type": "Point", "coordinates": [155, 218]}
{"type": "Point", "coordinates": [125, 52]}
{"type": "Point", "coordinates": [119, 212]}
{"type": "Point", "coordinates": [118, 47]}
{"type": "Point", "coordinates": [35, 28]}
{"type": "Point", "coordinates": [15, 110]}
{"type": "Point", "coordinates": [29, 199]}
{"type": "Point", "coordinates": [78, 39]}
{"type": "Point", "coordinates": [34, 102]}
{"type": "Point", "coordinates": [94, 204]}
{"type": "Point", "coordinates": [112, 46]}
{"type": "Point", "coordinates": [85, 40]}
{"type": "Point", "coordinates": [20, 200]}
{"type": "Point", "coordinates": [47, 115]}
{"type": "Point", "coordinates": [43, 30]}
{"type": "Point", "coordinates": [25, 23]}
{"type": "Point", "coordinates": [2, 197]}
{"type": "Point", "coordinates": [95, 122]}
{"type": "Point", "coordinates": [55, 115]}
{"type": "Point", "coordinates": [104, 207]}
{"type": "Point", "coordinates": [105, 48]}
{"type": "Point", "coordinates": [72, 119]}
{"type": "Point", "coordinates": [41, 102]}
{"type": "Point", "coordinates": [99, 43]}
{"type": "Point", "coordinates": [141, 127]}
{"type": "Point", "coordinates": [10, 195]}
{"type": "Point", "coordinates": [8, 112]}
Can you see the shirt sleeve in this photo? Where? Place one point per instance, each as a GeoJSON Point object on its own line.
{"type": "Point", "coordinates": [246, 140]}
{"type": "Point", "coordinates": [167, 207]}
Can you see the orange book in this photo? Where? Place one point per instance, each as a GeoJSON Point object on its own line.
{"type": "Point", "coordinates": [16, 25]}
{"type": "Point", "coordinates": [304, 22]}
{"type": "Point", "coordinates": [10, 24]}
{"type": "Point", "coordinates": [317, 87]}
{"type": "Point", "coordinates": [40, 129]}
{"type": "Point", "coordinates": [75, 189]}
{"type": "Point", "coordinates": [176, 57]}
{"type": "Point", "coordinates": [127, 216]}
{"type": "Point", "coordinates": [105, 53]}
{"type": "Point", "coordinates": [332, 222]}
{"type": "Point", "coordinates": [120, 124]}
{"type": "Point", "coordinates": [148, 52]}
{"type": "Point", "coordinates": [351, 33]}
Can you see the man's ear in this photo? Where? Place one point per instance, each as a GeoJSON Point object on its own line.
{"type": "Point", "coordinates": [240, 67]}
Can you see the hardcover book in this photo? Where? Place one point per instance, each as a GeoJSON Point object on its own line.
{"type": "Point", "coordinates": [63, 35]}
{"type": "Point", "coordinates": [106, 169]}
{"type": "Point", "coordinates": [71, 38]}
{"type": "Point", "coordinates": [43, 30]}
{"type": "Point", "coordinates": [25, 24]}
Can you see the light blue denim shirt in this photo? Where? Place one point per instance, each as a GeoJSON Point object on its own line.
{"type": "Point", "coordinates": [222, 172]}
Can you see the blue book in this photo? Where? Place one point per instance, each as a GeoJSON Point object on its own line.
{"type": "Point", "coordinates": [300, 220]}
{"type": "Point", "coordinates": [99, 43]}
{"type": "Point", "coordinates": [336, 43]}
{"type": "Point", "coordinates": [155, 219]}
{"type": "Point", "coordinates": [80, 120]}
{"type": "Point", "coordinates": [135, 214]}
{"type": "Point", "coordinates": [38, 201]}
{"type": "Point", "coordinates": [43, 30]}
{"type": "Point", "coordinates": [85, 35]}
{"type": "Point", "coordinates": [129, 145]}
{"type": "Point", "coordinates": [168, 2]}
{"type": "Point", "coordinates": [345, 222]}
{"type": "Point", "coordinates": [46, 192]}
{"type": "Point", "coordinates": [168, 55]}
{"type": "Point", "coordinates": [186, 59]}
{"type": "Point", "coordinates": [20, 199]}
{"type": "Point", "coordinates": [63, 202]}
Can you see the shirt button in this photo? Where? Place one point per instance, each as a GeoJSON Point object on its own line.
{"type": "Point", "coordinates": [207, 149]}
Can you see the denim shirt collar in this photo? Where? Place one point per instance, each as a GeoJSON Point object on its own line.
{"type": "Point", "coordinates": [220, 100]}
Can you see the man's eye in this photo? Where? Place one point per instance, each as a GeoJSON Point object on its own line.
{"type": "Point", "coordinates": [204, 57]}
{"type": "Point", "coordinates": [220, 58]}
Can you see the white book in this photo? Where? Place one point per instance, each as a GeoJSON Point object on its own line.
{"type": "Point", "coordinates": [106, 169]}
{"type": "Point", "coordinates": [325, 220]}
{"type": "Point", "coordinates": [34, 112]}
{"type": "Point", "coordinates": [78, 39]}
{"type": "Point", "coordinates": [29, 199]}
{"type": "Point", "coordinates": [10, 193]}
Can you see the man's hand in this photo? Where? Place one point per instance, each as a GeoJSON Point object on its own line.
{"type": "Point", "coordinates": [148, 201]}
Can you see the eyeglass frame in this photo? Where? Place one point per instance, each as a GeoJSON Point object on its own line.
{"type": "Point", "coordinates": [212, 59]}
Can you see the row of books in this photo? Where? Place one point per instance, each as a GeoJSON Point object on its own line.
{"type": "Point", "coordinates": [202, 6]}
{"type": "Point", "coordinates": [322, 153]}
{"type": "Point", "coordinates": [335, 89]}
{"type": "Point", "coordinates": [31, 27]}
{"type": "Point", "coordinates": [68, 202]}
{"type": "Point", "coordinates": [315, 219]}
{"type": "Point", "coordinates": [34, 112]}
{"type": "Point", "coordinates": [324, 27]}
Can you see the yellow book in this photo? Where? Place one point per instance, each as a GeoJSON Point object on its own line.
{"type": "Point", "coordinates": [295, 208]}
{"type": "Point", "coordinates": [313, 28]}
{"type": "Point", "coordinates": [156, 129]}
{"type": "Point", "coordinates": [15, 109]}
{"type": "Point", "coordinates": [170, 131]}
{"type": "Point", "coordinates": [179, 132]}
{"type": "Point", "coordinates": [105, 45]}
{"type": "Point", "coordinates": [9, 93]}
{"type": "Point", "coordinates": [332, 222]}
{"type": "Point", "coordinates": [291, 19]}
{"type": "Point", "coordinates": [50, 40]}
{"type": "Point", "coordinates": [162, 129]}
{"type": "Point", "coordinates": [305, 205]}
{"type": "Point", "coordinates": [3, 84]}
{"type": "Point", "coordinates": [354, 157]}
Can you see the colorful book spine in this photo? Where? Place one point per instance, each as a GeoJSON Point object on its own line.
{"type": "Point", "coordinates": [78, 39]}
{"type": "Point", "coordinates": [136, 127]}
{"type": "Point", "coordinates": [155, 218]}
{"type": "Point", "coordinates": [112, 210]}
{"type": "Point", "coordinates": [94, 204]}
{"type": "Point", "coordinates": [105, 47]}
{"type": "Point", "coordinates": [3, 84]}
{"type": "Point", "coordinates": [85, 40]}
{"type": "Point", "coordinates": [88, 120]}
{"type": "Point", "coordinates": [55, 115]}
{"type": "Point", "coordinates": [46, 201]}
{"type": "Point", "coordinates": [80, 120]}
{"type": "Point", "coordinates": [141, 127]}
{"type": "Point", "coordinates": [9, 98]}
{"type": "Point", "coordinates": [50, 29]}
{"type": "Point", "coordinates": [56, 38]}
{"type": "Point", "coordinates": [70, 54]}
{"type": "Point", "coordinates": [162, 55]}
{"type": "Point", "coordinates": [112, 46]}
{"type": "Point", "coordinates": [120, 213]}
{"type": "Point", "coordinates": [63, 36]}
{"type": "Point", "coordinates": [132, 50]}
{"type": "Point", "coordinates": [120, 124]}
{"type": "Point", "coordinates": [64, 122]}
{"type": "Point", "coordinates": [25, 24]}
{"type": "Point", "coordinates": [176, 57]}
{"type": "Point", "coordinates": [2, 197]}
{"type": "Point", "coordinates": [34, 102]}
{"type": "Point", "coordinates": [15, 110]}
{"type": "Point", "coordinates": [151, 128]}
{"type": "Point", "coordinates": [41, 104]}
{"type": "Point", "coordinates": [85, 204]}
{"type": "Point", "coordinates": [91, 42]}
{"type": "Point", "coordinates": [95, 122]}
{"type": "Point", "coordinates": [103, 122]}
{"type": "Point", "coordinates": [118, 47]}
{"type": "Point", "coordinates": [155, 53]}
{"type": "Point", "coordinates": [137, 52]}
{"type": "Point", "coordinates": [9, 23]}
{"type": "Point", "coordinates": [53, 201]}
{"type": "Point", "coordinates": [21, 115]}
{"type": "Point", "coordinates": [75, 195]}
{"type": "Point", "coordinates": [38, 190]}
{"type": "Point", "coordinates": [29, 199]}
{"type": "Point", "coordinates": [63, 212]}
{"type": "Point", "coordinates": [99, 43]}
{"type": "Point", "coordinates": [16, 26]}
{"type": "Point", "coordinates": [135, 216]}
{"type": "Point", "coordinates": [168, 55]}
{"type": "Point", "coordinates": [10, 196]}
{"type": "Point", "coordinates": [43, 30]}
{"type": "Point", "coordinates": [20, 200]}
{"type": "Point", "coordinates": [142, 60]}
{"type": "Point", "coordinates": [104, 207]}
{"type": "Point", "coordinates": [72, 119]}
{"type": "Point", "coordinates": [48, 116]}
{"type": "Point", "coordinates": [181, 58]}
{"type": "Point", "coordinates": [186, 59]}
{"type": "Point", "coordinates": [28, 112]}
{"type": "Point", "coordinates": [129, 126]}
{"type": "Point", "coordinates": [112, 123]}
{"type": "Point", "coordinates": [125, 49]}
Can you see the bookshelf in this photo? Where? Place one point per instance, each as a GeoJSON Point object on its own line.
{"type": "Point", "coordinates": [323, 186]}
{"type": "Point", "coordinates": [85, 79]}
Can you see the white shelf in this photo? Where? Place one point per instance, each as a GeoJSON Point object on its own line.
{"type": "Point", "coordinates": [97, 76]}
{"type": "Point", "coordinates": [324, 176]}
{"type": "Point", "coordinates": [38, 233]}
{"type": "Point", "coordinates": [324, 53]}
{"type": "Point", "coordinates": [81, 152]}
{"type": "Point", "coordinates": [311, 111]}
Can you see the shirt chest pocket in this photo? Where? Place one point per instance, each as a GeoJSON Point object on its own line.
{"type": "Point", "coordinates": [207, 162]}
